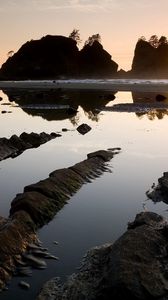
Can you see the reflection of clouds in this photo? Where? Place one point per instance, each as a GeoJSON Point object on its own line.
{"type": "Point", "coordinates": [148, 155]}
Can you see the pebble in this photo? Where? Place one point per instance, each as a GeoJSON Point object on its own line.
{"type": "Point", "coordinates": [24, 284]}
{"type": "Point", "coordinates": [55, 242]}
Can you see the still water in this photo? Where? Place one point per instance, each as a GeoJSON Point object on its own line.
{"type": "Point", "coordinates": [100, 211]}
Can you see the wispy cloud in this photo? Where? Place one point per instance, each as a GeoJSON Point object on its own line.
{"type": "Point", "coordinates": [83, 5]}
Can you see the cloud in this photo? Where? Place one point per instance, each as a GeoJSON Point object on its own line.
{"type": "Point", "coordinates": [81, 5]}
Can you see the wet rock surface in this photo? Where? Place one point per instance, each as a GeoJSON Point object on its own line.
{"type": "Point", "coordinates": [15, 145]}
{"type": "Point", "coordinates": [134, 267]}
{"type": "Point", "coordinates": [35, 207]}
{"type": "Point", "coordinates": [83, 128]}
{"type": "Point", "coordinates": [159, 192]}
{"type": "Point", "coordinates": [45, 198]}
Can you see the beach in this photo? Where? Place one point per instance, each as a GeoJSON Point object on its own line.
{"type": "Point", "coordinates": [89, 84]}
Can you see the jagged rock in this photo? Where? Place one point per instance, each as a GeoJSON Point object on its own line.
{"type": "Point", "coordinates": [150, 61]}
{"type": "Point", "coordinates": [134, 267]}
{"type": "Point", "coordinates": [35, 207]}
{"type": "Point", "coordinates": [96, 62]}
{"type": "Point", "coordinates": [160, 192]}
{"type": "Point", "coordinates": [45, 198]}
{"type": "Point", "coordinates": [24, 284]}
{"type": "Point", "coordinates": [58, 56]}
{"type": "Point", "coordinates": [15, 145]}
{"type": "Point", "coordinates": [83, 128]}
{"type": "Point", "coordinates": [49, 57]}
{"type": "Point", "coordinates": [15, 234]}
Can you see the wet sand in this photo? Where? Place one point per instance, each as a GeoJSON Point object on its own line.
{"type": "Point", "coordinates": [147, 86]}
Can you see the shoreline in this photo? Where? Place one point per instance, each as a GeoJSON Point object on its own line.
{"type": "Point", "coordinates": [104, 85]}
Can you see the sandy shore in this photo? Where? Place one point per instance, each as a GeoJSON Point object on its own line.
{"type": "Point", "coordinates": [148, 86]}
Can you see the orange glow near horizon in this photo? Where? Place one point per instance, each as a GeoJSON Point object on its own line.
{"type": "Point", "coordinates": [120, 23]}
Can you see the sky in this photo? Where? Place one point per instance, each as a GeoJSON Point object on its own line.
{"type": "Point", "coordinates": [119, 22]}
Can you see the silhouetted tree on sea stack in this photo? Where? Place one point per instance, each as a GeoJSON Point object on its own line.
{"type": "Point", "coordinates": [75, 35]}
{"type": "Point", "coordinates": [92, 39]}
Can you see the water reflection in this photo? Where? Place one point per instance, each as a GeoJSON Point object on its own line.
{"type": "Point", "coordinates": [56, 104]}
{"type": "Point", "coordinates": [153, 99]}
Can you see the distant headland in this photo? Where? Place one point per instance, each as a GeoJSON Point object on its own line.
{"type": "Point", "coordinates": [56, 57]}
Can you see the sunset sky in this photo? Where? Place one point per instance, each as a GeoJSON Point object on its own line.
{"type": "Point", "coordinates": [119, 22]}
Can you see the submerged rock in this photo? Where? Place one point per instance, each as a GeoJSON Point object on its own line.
{"type": "Point", "coordinates": [35, 207]}
{"type": "Point", "coordinates": [15, 145]}
{"type": "Point", "coordinates": [24, 284]}
{"type": "Point", "coordinates": [45, 198]}
{"type": "Point", "coordinates": [134, 267]}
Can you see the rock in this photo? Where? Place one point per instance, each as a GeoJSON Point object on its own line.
{"type": "Point", "coordinates": [96, 62]}
{"type": "Point", "coordinates": [134, 267]}
{"type": "Point", "coordinates": [83, 128]}
{"type": "Point", "coordinates": [159, 192]}
{"type": "Point", "coordinates": [34, 261]}
{"type": "Point", "coordinates": [50, 290]}
{"type": "Point", "coordinates": [150, 61]}
{"type": "Point", "coordinates": [15, 234]}
{"type": "Point", "coordinates": [160, 97]}
{"type": "Point", "coordinates": [45, 198]}
{"type": "Point", "coordinates": [105, 155]}
{"type": "Point", "coordinates": [24, 271]}
{"type": "Point", "coordinates": [24, 285]}
{"type": "Point", "coordinates": [15, 145]}
{"type": "Point", "coordinates": [58, 57]}
{"type": "Point", "coordinates": [35, 207]}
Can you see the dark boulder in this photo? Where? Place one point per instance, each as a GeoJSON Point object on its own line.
{"type": "Point", "coordinates": [83, 128]}
{"type": "Point", "coordinates": [134, 267]}
{"type": "Point", "coordinates": [15, 145]}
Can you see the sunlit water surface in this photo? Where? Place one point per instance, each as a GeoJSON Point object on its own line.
{"type": "Point", "coordinates": [99, 211]}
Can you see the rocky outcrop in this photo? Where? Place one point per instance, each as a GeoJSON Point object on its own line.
{"type": "Point", "coordinates": [45, 198]}
{"type": "Point", "coordinates": [37, 205]}
{"type": "Point", "coordinates": [55, 57]}
{"type": "Point", "coordinates": [15, 234]}
{"type": "Point", "coordinates": [150, 61]}
{"type": "Point", "coordinates": [96, 62]}
{"type": "Point", "coordinates": [15, 145]}
{"type": "Point", "coordinates": [134, 267]}
{"type": "Point", "coordinates": [49, 57]}
{"type": "Point", "coordinates": [159, 192]}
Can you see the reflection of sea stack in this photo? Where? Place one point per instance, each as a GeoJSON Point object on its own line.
{"type": "Point", "coordinates": [57, 56]}
{"type": "Point", "coordinates": [55, 104]}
